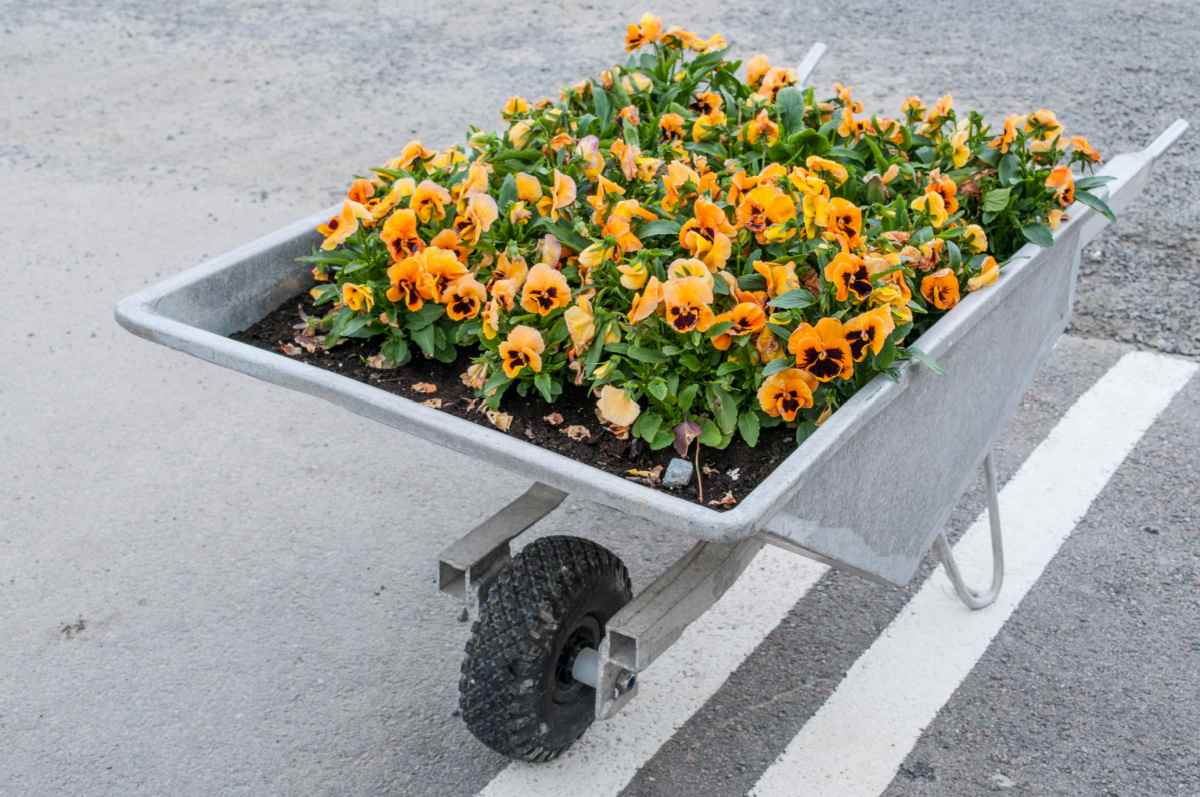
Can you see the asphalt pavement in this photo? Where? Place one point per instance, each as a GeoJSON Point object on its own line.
{"type": "Point", "coordinates": [209, 585]}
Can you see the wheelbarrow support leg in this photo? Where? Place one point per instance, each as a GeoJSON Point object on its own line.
{"type": "Point", "coordinates": [467, 564]}
{"type": "Point", "coordinates": [975, 599]}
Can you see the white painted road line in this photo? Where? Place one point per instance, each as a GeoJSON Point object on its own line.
{"type": "Point", "coordinates": [679, 683]}
{"type": "Point", "coordinates": [858, 739]}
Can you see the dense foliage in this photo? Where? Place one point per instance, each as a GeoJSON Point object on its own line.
{"type": "Point", "coordinates": [707, 254]}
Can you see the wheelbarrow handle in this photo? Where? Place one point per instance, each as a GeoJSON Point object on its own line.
{"type": "Point", "coordinates": [1131, 171]}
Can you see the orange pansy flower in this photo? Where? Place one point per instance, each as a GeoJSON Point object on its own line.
{"type": "Point", "coordinates": [940, 288]}
{"type": "Point", "coordinates": [844, 222]}
{"type": "Point", "coordinates": [522, 349]}
{"type": "Point", "coordinates": [687, 303]}
{"type": "Point", "coordinates": [850, 276]}
{"type": "Point", "coordinates": [945, 186]}
{"type": "Point", "coordinates": [464, 297]}
{"type": "Point", "coordinates": [822, 350]}
{"type": "Point", "coordinates": [761, 127]}
{"type": "Point", "coordinates": [869, 331]}
{"type": "Point", "coordinates": [358, 297]}
{"type": "Point", "coordinates": [546, 290]}
{"type": "Point", "coordinates": [756, 69]}
{"type": "Point", "coordinates": [480, 213]}
{"type": "Point", "coordinates": [1062, 183]}
{"type": "Point", "coordinates": [406, 278]}
{"type": "Point", "coordinates": [784, 393]}
{"type": "Point", "coordinates": [429, 201]}
{"type": "Point", "coordinates": [707, 234]}
{"type": "Point", "coordinates": [343, 225]}
{"type": "Point", "coordinates": [648, 30]}
{"type": "Point", "coordinates": [561, 196]}
{"type": "Point", "coordinates": [671, 125]}
{"type": "Point", "coordinates": [442, 267]}
{"type": "Point", "coordinates": [361, 190]}
{"type": "Point", "coordinates": [528, 187]}
{"type": "Point", "coordinates": [400, 234]}
{"type": "Point", "coordinates": [836, 171]}
{"type": "Point", "coordinates": [779, 277]}
{"type": "Point", "coordinates": [646, 302]}
{"type": "Point", "coordinates": [762, 207]}
{"type": "Point", "coordinates": [989, 272]}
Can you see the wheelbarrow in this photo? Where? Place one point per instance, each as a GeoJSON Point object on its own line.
{"type": "Point", "coordinates": [559, 639]}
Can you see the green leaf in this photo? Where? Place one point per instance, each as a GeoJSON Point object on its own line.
{"type": "Point", "coordinates": [955, 254]}
{"type": "Point", "coordinates": [395, 350]}
{"type": "Point", "coordinates": [781, 332]}
{"type": "Point", "coordinates": [803, 430]}
{"type": "Point", "coordinates": [1088, 183]}
{"type": "Point", "coordinates": [790, 104]}
{"type": "Point", "coordinates": [523, 155]}
{"type": "Point", "coordinates": [1095, 203]}
{"type": "Point", "coordinates": [925, 360]}
{"type": "Point", "coordinates": [690, 361]}
{"type": "Point", "coordinates": [777, 365]}
{"type": "Point", "coordinates": [748, 427]}
{"type": "Point", "coordinates": [713, 150]}
{"type": "Point", "coordinates": [324, 294]}
{"type": "Point", "coordinates": [660, 227]}
{"type": "Point", "coordinates": [724, 407]}
{"type": "Point", "coordinates": [662, 439]}
{"type": "Point", "coordinates": [1039, 234]}
{"type": "Point", "coordinates": [847, 154]}
{"type": "Point", "coordinates": [657, 388]}
{"type": "Point", "coordinates": [495, 381]}
{"type": "Point", "coordinates": [565, 234]}
{"type": "Point", "coordinates": [593, 355]}
{"type": "Point", "coordinates": [996, 200]}
{"type": "Point", "coordinates": [1010, 169]}
{"type": "Point", "coordinates": [718, 329]}
{"type": "Point", "coordinates": [508, 191]}
{"type": "Point", "coordinates": [687, 396]}
{"type": "Point", "coordinates": [644, 355]}
{"type": "Point", "coordinates": [545, 386]}
{"type": "Point", "coordinates": [600, 103]}
{"type": "Point", "coordinates": [798, 297]}
{"type": "Point", "coordinates": [424, 337]}
{"type": "Point", "coordinates": [647, 424]}
{"type": "Point", "coordinates": [424, 317]}
{"type": "Point", "coordinates": [710, 434]}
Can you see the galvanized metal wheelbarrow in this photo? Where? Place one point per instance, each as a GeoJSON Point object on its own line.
{"type": "Point", "coordinates": [559, 638]}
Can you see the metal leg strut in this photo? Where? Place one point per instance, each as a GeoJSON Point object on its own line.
{"type": "Point", "coordinates": [972, 598]}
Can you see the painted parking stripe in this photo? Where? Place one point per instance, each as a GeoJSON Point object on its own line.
{"type": "Point", "coordinates": [679, 683]}
{"type": "Point", "coordinates": [857, 740]}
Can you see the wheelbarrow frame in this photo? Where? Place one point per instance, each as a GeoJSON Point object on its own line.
{"type": "Point", "coordinates": [846, 496]}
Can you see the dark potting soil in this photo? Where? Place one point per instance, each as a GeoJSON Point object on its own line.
{"type": "Point", "coordinates": [568, 427]}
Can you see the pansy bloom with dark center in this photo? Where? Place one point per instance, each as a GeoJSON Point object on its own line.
{"type": "Point", "coordinates": [784, 393]}
{"type": "Point", "coordinates": [850, 276]}
{"type": "Point", "coordinates": [822, 350]}
{"type": "Point", "coordinates": [868, 332]}
{"type": "Point", "coordinates": [546, 290]}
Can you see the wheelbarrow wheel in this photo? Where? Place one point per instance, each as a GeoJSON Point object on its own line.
{"type": "Point", "coordinates": [517, 694]}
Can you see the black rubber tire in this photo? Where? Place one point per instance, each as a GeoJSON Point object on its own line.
{"type": "Point", "coordinates": [516, 694]}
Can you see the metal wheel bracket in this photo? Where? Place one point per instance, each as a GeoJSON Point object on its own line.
{"type": "Point", "coordinates": [467, 564]}
{"type": "Point", "coordinates": [649, 624]}
{"type": "Point", "coordinates": [972, 598]}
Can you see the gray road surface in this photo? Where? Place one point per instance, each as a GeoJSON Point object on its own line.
{"type": "Point", "coordinates": [213, 586]}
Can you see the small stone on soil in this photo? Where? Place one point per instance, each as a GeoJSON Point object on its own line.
{"type": "Point", "coordinates": [679, 473]}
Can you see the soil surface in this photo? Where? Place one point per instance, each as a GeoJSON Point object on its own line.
{"type": "Point", "coordinates": [568, 427]}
